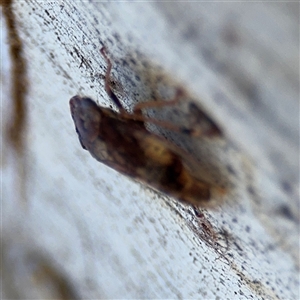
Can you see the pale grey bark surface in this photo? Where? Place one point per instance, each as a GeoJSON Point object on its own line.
{"type": "Point", "coordinates": [89, 232]}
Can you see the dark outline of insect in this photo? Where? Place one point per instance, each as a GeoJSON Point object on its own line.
{"type": "Point", "coordinates": [121, 141]}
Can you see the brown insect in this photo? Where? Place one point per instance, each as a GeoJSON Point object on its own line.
{"type": "Point", "coordinates": [121, 141]}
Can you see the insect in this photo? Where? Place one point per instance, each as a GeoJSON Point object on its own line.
{"type": "Point", "coordinates": [121, 141]}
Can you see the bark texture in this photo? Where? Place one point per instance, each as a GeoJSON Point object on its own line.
{"type": "Point", "coordinates": [73, 228]}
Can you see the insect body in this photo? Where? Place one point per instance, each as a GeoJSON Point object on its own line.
{"type": "Point", "coordinates": [121, 141]}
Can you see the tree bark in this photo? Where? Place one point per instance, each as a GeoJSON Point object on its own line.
{"type": "Point", "coordinates": [78, 229]}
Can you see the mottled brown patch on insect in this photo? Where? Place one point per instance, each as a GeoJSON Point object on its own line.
{"type": "Point", "coordinates": [156, 151]}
